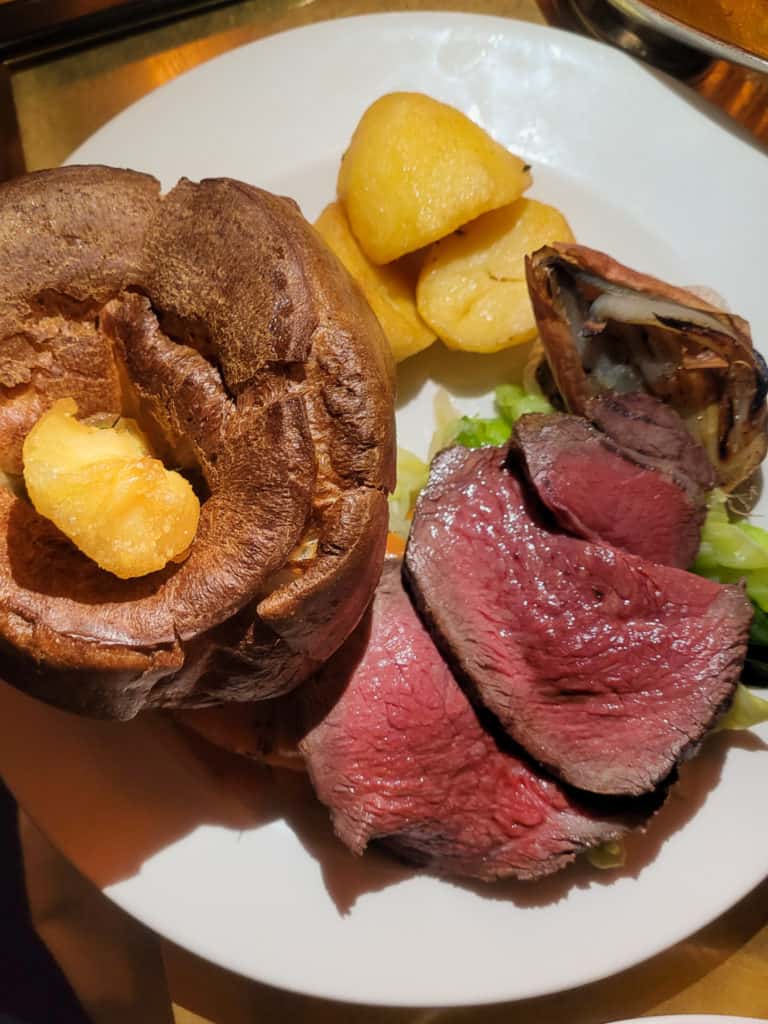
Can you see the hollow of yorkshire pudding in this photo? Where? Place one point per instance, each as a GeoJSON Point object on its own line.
{"type": "Point", "coordinates": [217, 317]}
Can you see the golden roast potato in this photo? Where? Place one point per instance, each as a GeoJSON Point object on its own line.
{"type": "Point", "coordinates": [390, 289]}
{"type": "Point", "coordinates": [102, 487]}
{"type": "Point", "coordinates": [416, 169]}
{"type": "Point", "coordinates": [472, 288]}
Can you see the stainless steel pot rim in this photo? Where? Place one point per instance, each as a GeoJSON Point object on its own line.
{"type": "Point", "coordinates": [638, 15]}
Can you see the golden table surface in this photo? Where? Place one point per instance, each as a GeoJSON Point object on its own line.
{"type": "Point", "coordinates": [721, 970]}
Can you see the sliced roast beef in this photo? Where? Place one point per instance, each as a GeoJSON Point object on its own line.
{"type": "Point", "coordinates": [397, 753]}
{"type": "Point", "coordinates": [655, 436]}
{"type": "Point", "coordinates": [605, 667]}
{"type": "Point", "coordinates": [596, 490]}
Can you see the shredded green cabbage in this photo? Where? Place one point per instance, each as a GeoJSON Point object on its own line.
{"type": "Point", "coordinates": [733, 550]}
{"type": "Point", "coordinates": [747, 710]}
{"type": "Point", "coordinates": [412, 475]}
{"type": "Point", "coordinates": [511, 403]}
{"type": "Point", "coordinates": [474, 432]}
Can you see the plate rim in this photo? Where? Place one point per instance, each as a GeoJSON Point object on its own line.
{"type": "Point", "coordinates": [691, 1018]}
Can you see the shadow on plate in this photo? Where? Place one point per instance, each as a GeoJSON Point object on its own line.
{"type": "Point", "coordinates": [347, 877]}
{"type": "Point", "coordinates": [687, 796]}
{"type": "Point", "coordinates": [112, 794]}
{"type": "Point", "coordinates": [464, 374]}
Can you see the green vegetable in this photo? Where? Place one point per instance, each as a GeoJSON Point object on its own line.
{"type": "Point", "coordinates": [757, 587]}
{"type": "Point", "coordinates": [511, 402]}
{"type": "Point", "coordinates": [412, 475]}
{"type": "Point", "coordinates": [731, 551]}
{"type": "Point", "coordinates": [755, 672]}
{"type": "Point", "coordinates": [756, 534]}
{"type": "Point", "coordinates": [729, 546]}
{"type": "Point", "coordinates": [747, 710]}
{"type": "Point", "coordinates": [607, 855]}
{"type": "Point", "coordinates": [474, 432]}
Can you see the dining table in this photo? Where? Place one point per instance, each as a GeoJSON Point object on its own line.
{"type": "Point", "coordinates": [56, 93]}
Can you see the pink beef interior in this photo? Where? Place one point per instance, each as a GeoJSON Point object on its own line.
{"type": "Point", "coordinates": [605, 667]}
{"type": "Point", "coordinates": [655, 434]}
{"type": "Point", "coordinates": [398, 754]}
{"type": "Point", "coordinates": [597, 492]}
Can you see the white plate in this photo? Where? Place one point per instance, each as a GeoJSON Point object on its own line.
{"type": "Point", "coordinates": [691, 1018]}
{"type": "Point", "coordinates": [245, 872]}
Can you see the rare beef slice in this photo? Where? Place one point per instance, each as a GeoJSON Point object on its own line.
{"type": "Point", "coordinates": [654, 435]}
{"type": "Point", "coordinates": [396, 751]}
{"type": "Point", "coordinates": [608, 492]}
{"type": "Point", "coordinates": [606, 668]}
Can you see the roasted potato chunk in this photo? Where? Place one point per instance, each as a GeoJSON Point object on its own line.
{"type": "Point", "coordinates": [104, 490]}
{"type": "Point", "coordinates": [390, 290]}
{"type": "Point", "coordinates": [416, 169]}
{"type": "Point", "coordinates": [472, 289]}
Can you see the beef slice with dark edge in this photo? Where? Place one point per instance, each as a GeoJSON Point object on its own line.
{"type": "Point", "coordinates": [599, 491]}
{"type": "Point", "coordinates": [606, 668]}
{"type": "Point", "coordinates": [654, 435]}
{"type": "Point", "coordinates": [396, 751]}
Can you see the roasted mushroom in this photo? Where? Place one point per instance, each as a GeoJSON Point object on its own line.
{"type": "Point", "coordinates": [218, 319]}
{"type": "Point", "coordinates": [604, 327]}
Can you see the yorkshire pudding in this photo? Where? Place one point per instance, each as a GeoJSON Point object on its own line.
{"type": "Point", "coordinates": [218, 318]}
